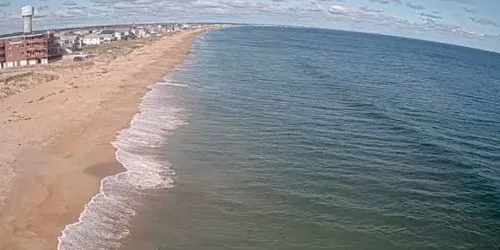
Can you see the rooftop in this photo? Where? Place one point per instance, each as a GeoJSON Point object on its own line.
{"type": "Point", "coordinates": [92, 36]}
{"type": "Point", "coordinates": [22, 34]}
{"type": "Point", "coordinates": [109, 32]}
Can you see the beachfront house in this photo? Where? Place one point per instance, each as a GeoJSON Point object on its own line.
{"type": "Point", "coordinates": [108, 36]}
{"type": "Point", "coordinates": [139, 32]}
{"type": "Point", "coordinates": [67, 41]}
{"type": "Point", "coordinates": [92, 39]}
{"type": "Point", "coordinates": [122, 33]}
{"type": "Point", "coordinates": [118, 36]}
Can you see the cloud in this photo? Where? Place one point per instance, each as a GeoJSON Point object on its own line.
{"type": "Point", "coordinates": [77, 8]}
{"type": "Point", "coordinates": [161, 8]}
{"type": "Point", "coordinates": [366, 9]}
{"type": "Point", "coordinates": [43, 7]}
{"type": "Point", "coordinates": [39, 14]}
{"type": "Point", "coordinates": [414, 6]}
{"type": "Point", "coordinates": [366, 15]}
{"type": "Point", "coordinates": [470, 2]}
{"type": "Point", "coordinates": [386, 1]}
{"type": "Point", "coordinates": [69, 3]}
{"type": "Point", "coordinates": [69, 13]}
{"type": "Point", "coordinates": [338, 10]}
{"type": "Point", "coordinates": [470, 10]}
{"type": "Point", "coordinates": [484, 21]}
{"type": "Point", "coordinates": [432, 15]}
{"type": "Point", "coordinates": [4, 3]}
{"type": "Point", "coordinates": [448, 29]}
{"type": "Point", "coordinates": [206, 4]}
{"type": "Point", "coordinates": [430, 22]}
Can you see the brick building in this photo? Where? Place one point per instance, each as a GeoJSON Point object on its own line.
{"type": "Point", "coordinates": [28, 49]}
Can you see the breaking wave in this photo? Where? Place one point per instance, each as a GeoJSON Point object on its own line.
{"type": "Point", "coordinates": [105, 222]}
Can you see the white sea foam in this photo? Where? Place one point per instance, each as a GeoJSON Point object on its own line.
{"type": "Point", "coordinates": [165, 83]}
{"type": "Point", "coordinates": [105, 222]}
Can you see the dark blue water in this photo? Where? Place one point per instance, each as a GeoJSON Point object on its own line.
{"type": "Point", "coordinates": [317, 139]}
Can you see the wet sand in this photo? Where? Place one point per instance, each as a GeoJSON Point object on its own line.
{"type": "Point", "coordinates": [55, 138]}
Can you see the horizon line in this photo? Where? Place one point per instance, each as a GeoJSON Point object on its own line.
{"type": "Point", "coordinates": [258, 24]}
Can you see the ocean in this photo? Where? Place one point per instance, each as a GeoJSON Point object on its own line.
{"type": "Point", "coordinates": [295, 138]}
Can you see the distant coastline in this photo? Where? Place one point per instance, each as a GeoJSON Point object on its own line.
{"type": "Point", "coordinates": [111, 26]}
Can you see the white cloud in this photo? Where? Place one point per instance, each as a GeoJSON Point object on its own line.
{"type": "Point", "coordinates": [367, 9]}
{"type": "Point", "coordinates": [431, 22]}
{"type": "Point", "coordinates": [414, 6]}
{"type": "Point", "coordinates": [337, 9]}
{"type": "Point", "coordinates": [69, 13]}
{"type": "Point", "coordinates": [431, 15]}
{"type": "Point", "coordinates": [386, 1]}
{"type": "Point", "coordinates": [484, 21]}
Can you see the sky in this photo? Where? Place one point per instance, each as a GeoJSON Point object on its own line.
{"type": "Point", "coordinates": [472, 23]}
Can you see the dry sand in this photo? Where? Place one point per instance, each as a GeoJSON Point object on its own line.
{"type": "Point", "coordinates": [55, 137]}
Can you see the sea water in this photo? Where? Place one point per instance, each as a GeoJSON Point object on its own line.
{"type": "Point", "coordinates": [294, 138]}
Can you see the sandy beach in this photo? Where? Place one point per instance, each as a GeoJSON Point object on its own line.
{"type": "Point", "coordinates": [56, 134]}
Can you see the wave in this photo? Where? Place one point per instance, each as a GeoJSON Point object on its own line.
{"type": "Point", "coordinates": [105, 221]}
{"type": "Point", "coordinates": [167, 83]}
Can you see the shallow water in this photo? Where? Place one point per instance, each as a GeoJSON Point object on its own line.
{"type": "Point", "coordinates": [287, 138]}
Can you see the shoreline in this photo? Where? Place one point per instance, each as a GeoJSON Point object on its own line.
{"type": "Point", "coordinates": [60, 149]}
